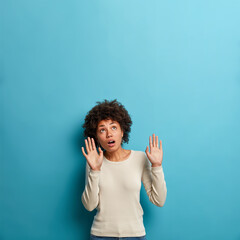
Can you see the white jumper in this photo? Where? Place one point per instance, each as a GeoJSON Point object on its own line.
{"type": "Point", "coordinates": [115, 192]}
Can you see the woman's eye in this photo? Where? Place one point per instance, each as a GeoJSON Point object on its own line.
{"type": "Point", "coordinates": [103, 129]}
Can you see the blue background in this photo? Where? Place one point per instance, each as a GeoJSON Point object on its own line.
{"type": "Point", "coordinates": [174, 65]}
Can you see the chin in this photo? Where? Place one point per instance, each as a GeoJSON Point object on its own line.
{"type": "Point", "coordinates": [112, 149]}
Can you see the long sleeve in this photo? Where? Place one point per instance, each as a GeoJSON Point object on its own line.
{"type": "Point", "coordinates": [90, 196]}
{"type": "Point", "coordinates": [154, 183]}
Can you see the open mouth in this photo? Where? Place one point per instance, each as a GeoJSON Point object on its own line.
{"type": "Point", "coordinates": [111, 143]}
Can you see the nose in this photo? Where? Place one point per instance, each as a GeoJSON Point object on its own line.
{"type": "Point", "coordinates": [109, 133]}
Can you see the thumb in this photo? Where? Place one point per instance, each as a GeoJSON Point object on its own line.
{"type": "Point", "coordinates": [100, 151]}
{"type": "Point", "coordinates": [147, 151]}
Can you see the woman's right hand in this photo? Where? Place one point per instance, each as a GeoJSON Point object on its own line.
{"type": "Point", "coordinates": [93, 158]}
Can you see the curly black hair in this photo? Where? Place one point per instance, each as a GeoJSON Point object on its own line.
{"type": "Point", "coordinates": [113, 110]}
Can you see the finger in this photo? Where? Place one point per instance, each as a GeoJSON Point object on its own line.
{"type": "Point", "coordinates": [150, 143]}
{"type": "Point", "coordinates": [161, 144]}
{"type": "Point", "coordinates": [154, 140]}
{"type": "Point", "coordinates": [93, 144]}
{"type": "Point", "coordinates": [86, 143]}
{"type": "Point", "coordinates": [90, 144]}
{"type": "Point", "coordinates": [84, 154]}
{"type": "Point", "coordinates": [157, 142]}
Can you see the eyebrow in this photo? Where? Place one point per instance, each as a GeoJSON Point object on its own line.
{"type": "Point", "coordinates": [109, 124]}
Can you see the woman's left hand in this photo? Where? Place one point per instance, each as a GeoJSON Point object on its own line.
{"type": "Point", "coordinates": [155, 155]}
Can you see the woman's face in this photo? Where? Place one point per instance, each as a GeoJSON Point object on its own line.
{"type": "Point", "coordinates": [107, 131]}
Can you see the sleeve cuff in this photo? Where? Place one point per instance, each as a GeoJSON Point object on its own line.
{"type": "Point", "coordinates": [157, 169]}
{"type": "Point", "coordinates": [94, 172]}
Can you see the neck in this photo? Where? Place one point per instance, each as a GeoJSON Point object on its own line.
{"type": "Point", "coordinates": [116, 155]}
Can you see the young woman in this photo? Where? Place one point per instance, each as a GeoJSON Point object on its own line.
{"type": "Point", "coordinates": [114, 175]}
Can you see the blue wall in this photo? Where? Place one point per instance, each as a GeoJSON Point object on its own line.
{"type": "Point", "coordinates": [174, 65]}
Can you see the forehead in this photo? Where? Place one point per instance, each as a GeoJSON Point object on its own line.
{"type": "Point", "coordinates": [106, 122]}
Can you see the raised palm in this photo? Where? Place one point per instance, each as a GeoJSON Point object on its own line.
{"type": "Point", "coordinates": [155, 155]}
{"type": "Point", "coordinates": [93, 158]}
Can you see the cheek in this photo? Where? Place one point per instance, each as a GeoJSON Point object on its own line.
{"type": "Point", "coordinates": [120, 135]}
{"type": "Point", "coordinates": [100, 138]}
